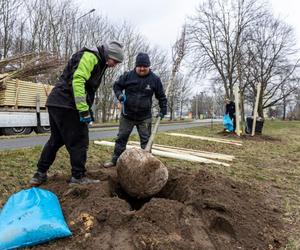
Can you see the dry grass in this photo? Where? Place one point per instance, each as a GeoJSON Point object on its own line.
{"type": "Point", "coordinates": [270, 163]}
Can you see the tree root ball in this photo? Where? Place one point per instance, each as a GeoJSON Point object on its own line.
{"type": "Point", "coordinates": [140, 174]}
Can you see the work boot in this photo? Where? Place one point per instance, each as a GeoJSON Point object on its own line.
{"type": "Point", "coordinates": [109, 164]}
{"type": "Point", "coordinates": [82, 181]}
{"type": "Point", "coordinates": [38, 179]}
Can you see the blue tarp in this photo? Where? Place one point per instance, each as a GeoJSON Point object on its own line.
{"type": "Point", "coordinates": [31, 217]}
{"type": "Point", "coordinates": [228, 124]}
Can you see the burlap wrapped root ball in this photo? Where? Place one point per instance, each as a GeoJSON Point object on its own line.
{"type": "Point", "coordinates": [140, 174]}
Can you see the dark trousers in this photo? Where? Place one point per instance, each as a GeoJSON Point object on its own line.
{"type": "Point", "coordinates": [66, 129]}
{"type": "Point", "coordinates": [125, 128]}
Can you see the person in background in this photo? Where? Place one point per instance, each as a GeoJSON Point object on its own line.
{"type": "Point", "coordinates": [230, 110]}
{"type": "Point", "coordinates": [69, 107]}
{"type": "Point", "coordinates": [134, 91]}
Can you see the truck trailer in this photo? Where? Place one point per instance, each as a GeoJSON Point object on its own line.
{"type": "Point", "coordinates": [22, 107]}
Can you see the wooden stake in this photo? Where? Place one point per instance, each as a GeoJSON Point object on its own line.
{"type": "Point", "coordinates": [237, 110]}
{"type": "Point", "coordinates": [255, 109]}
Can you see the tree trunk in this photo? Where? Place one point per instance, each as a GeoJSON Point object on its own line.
{"type": "Point", "coordinates": [181, 106]}
{"type": "Point", "coordinates": [103, 109]}
{"type": "Point", "coordinates": [284, 109]}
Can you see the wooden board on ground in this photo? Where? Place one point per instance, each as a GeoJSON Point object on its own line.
{"type": "Point", "coordinates": [181, 156]}
{"type": "Point", "coordinates": [232, 142]}
{"type": "Point", "coordinates": [206, 154]}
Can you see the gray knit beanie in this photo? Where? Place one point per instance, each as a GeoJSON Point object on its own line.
{"type": "Point", "coordinates": [115, 51]}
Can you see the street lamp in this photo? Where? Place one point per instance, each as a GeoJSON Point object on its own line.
{"type": "Point", "coordinates": [77, 31]}
{"type": "Point", "coordinates": [92, 10]}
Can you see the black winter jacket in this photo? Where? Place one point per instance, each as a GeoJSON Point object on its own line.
{"type": "Point", "coordinates": [230, 109]}
{"type": "Point", "coordinates": [139, 92]}
{"type": "Point", "coordinates": [62, 94]}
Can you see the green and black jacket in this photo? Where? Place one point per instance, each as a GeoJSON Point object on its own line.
{"type": "Point", "coordinates": [79, 81]}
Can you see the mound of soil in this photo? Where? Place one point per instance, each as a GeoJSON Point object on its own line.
{"type": "Point", "coordinates": [195, 210]}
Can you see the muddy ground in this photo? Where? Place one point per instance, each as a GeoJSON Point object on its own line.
{"type": "Point", "coordinates": [195, 210]}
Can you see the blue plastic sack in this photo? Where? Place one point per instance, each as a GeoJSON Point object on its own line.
{"type": "Point", "coordinates": [228, 124]}
{"type": "Point", "coordinates": [31, 217]}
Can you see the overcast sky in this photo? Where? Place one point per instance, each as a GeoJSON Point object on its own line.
{"type": "Point", "coordinates": [160, 20]}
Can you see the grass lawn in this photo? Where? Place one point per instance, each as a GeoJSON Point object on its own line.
{"type": "Point", "coordinates": [270, 163]}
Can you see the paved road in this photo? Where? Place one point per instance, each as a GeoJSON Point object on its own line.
{"type": "Point", "coordinates": [95, 134]}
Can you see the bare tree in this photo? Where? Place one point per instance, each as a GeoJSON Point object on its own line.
{"type": "Point", "coordinates": [273, 64]}
{"type": "Point", "coordinates": [59, 27]}
{"type": "Point", "coordinates": [184, 93]}
{"type": "Point", "coordinates": [297, 104]}
{"type": "Point", "coordinates": [179, 51]}
{"type": "Point", "coordinates": [239, 42]}
{"type": "Point", "coordinates": [133, 44]}
{"type": "Point", "coordinates": [216, 33]}
{"type": "Point", "coordinates": [8, 17]}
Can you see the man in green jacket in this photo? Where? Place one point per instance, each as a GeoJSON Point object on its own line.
{"type": "Point", "coordinates": [69, 107]}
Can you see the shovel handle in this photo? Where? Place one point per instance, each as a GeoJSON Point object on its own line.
{"type": "Point", "coordinates": [151, 139]}
{"type": "Point", "coordinates": [155, 128]}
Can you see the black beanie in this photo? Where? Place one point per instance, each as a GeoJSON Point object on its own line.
{"type": "Point", "coordinates": [142, 59]}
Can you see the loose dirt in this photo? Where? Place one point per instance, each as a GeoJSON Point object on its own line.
{"type": "Point", "coordinates": [195, 210]}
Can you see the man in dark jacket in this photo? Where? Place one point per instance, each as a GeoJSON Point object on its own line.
{"type": "Point", "coordinates": [230, 110]}
{"type": "Point", "coordinates": [135, 90]}
{"type": "Point", "coordinates": [69, 107]}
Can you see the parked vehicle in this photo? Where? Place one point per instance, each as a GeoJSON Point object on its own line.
{"type": "Point", "coordinates": [22, 121]}
{"type": "Point", "coordinates": [22, 107]}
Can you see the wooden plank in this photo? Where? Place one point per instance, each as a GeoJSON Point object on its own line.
{"type": "Point", "coordinates": [236, 143]}
{"type": "Point", "coordinates": [169, 154]}
{"type": "Point", "coordinates": [180, 151]}
{"type": "Point", "coordinates": [17, 93]}
{"type": "Point", "coordinates": [207, 154]}
{"type": "Point", "coordinates": [255, 109]}
{"type": "Point", "coordinates": [23, 94]}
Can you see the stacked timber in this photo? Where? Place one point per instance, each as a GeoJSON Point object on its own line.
{"type": "Point", "coordinates": [23, 94]}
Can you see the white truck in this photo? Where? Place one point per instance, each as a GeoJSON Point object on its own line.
{"type": "Point", "coordinates": [22, 107]}
{"type": "Point", "coordinates": [23, 121]}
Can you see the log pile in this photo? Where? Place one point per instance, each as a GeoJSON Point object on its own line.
{"type": "Point", "coordinates": [16, 93]}
{"type": "Point", "coordinates": [30, 67]}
